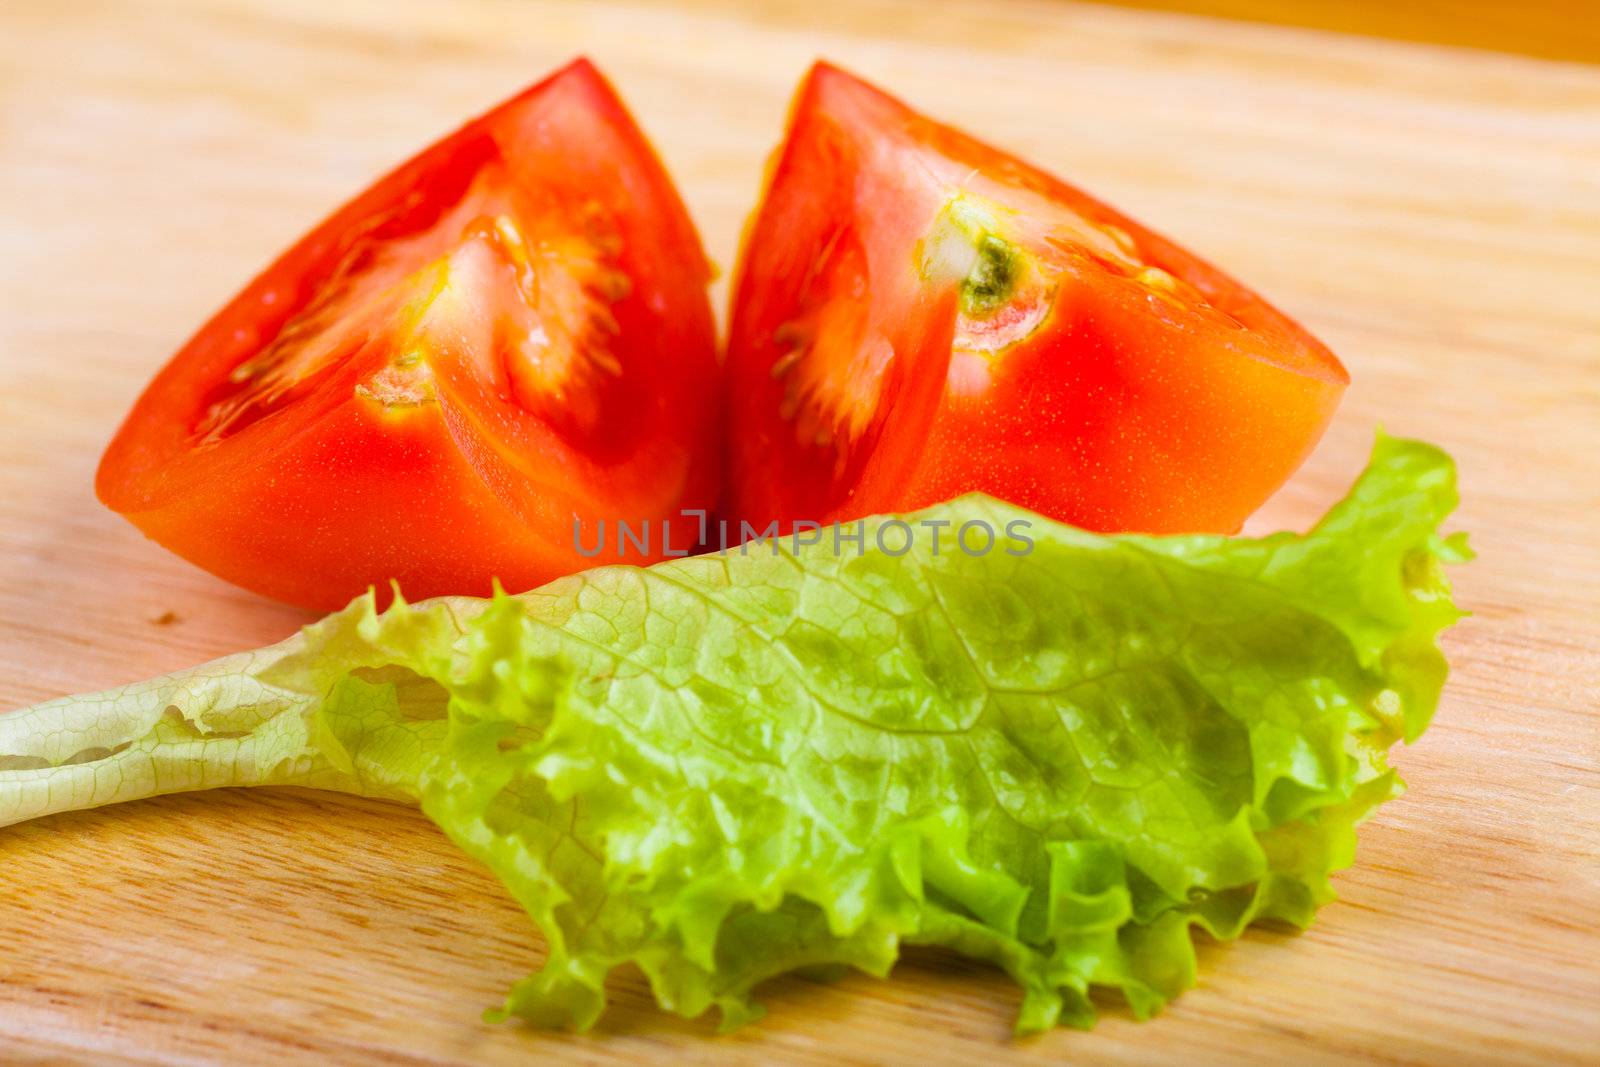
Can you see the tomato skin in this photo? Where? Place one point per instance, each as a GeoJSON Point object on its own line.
{"type": "Point", "coordinates": [1076, 425]}
{"type": "Point", "coordinates": [333, 491]}
{"type": "Point", "coordinates": [408, 507]}
{"type": "Point", "coordinates": [1155, 395]}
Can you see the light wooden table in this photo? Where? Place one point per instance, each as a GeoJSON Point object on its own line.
{"type": "Point", "coordinates": [1550, 29]}
{"type": "Point", "coordinates": [1433, 214]}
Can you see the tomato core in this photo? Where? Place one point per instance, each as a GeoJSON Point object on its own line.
{"type": "Point", "coordinates": [407, 289]}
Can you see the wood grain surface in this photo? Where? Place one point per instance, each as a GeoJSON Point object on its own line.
{"type": "Point", "coordinates": [1433, 214]}
{"type": "Point", "coordinates": [1551, 29]}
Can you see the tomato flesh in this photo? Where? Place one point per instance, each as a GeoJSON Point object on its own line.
{"type": "Point", "coordinates": [993, 329]}
{"type": "Point", "coordinates": [507, 335]}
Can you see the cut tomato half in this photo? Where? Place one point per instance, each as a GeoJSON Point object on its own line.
{"type": "Point", "coordinates": [917, 315]}
{"type": "Point", "coordinates": [508, 334]}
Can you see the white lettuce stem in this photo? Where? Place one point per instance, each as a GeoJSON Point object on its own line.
{"type": "Point", "coordinates": [215, 725]}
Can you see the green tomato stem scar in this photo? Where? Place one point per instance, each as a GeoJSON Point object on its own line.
{"type": "Point", "coordinates": [993, 277]}
{"type": "Point", "coordinates": [965, 243]}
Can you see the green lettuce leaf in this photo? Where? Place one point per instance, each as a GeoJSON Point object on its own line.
{"type": "Point", "coordinates": [731, 766]}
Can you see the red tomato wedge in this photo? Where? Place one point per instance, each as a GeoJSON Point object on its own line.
{"type": "Point", "coordinates": [509, 332]}
{"type": "Point", "coordinates": [917, 315]}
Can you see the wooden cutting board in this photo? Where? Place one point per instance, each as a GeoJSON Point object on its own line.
{"type": "Point", "coordinates": [1433, 214]}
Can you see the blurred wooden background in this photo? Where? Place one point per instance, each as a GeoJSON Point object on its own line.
{"type": "Point", "coordinates": [1549, 29]}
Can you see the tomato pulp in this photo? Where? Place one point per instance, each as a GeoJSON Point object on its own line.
{"type": "Point", "coordinates": [508, 333]}
{"type": "Point", "coordinates": [918, 315]}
